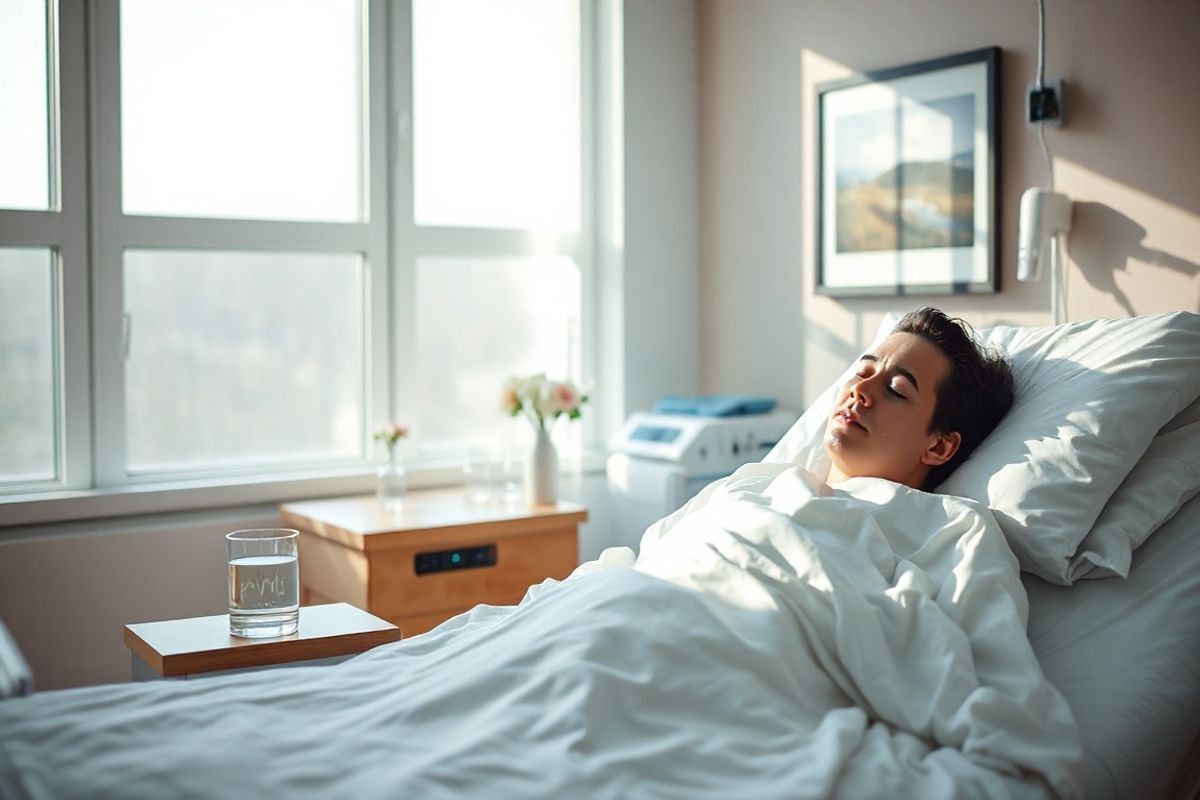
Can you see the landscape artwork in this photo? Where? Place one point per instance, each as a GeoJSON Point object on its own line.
{"type": "Point", "coordinates": [905, 177]}
{"type": "Point", "coordinates": [906, 164]}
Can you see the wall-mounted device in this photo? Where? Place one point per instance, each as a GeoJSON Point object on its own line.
{"type": "Point", "coordinates": [1046, 103]}
{"type": "Point", "coordinates": [1044, 215]}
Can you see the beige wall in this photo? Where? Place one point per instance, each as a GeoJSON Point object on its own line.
{"type": "Point", "coordinates": [1126, 157]}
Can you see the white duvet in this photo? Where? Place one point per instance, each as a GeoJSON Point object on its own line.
{"type": "Point", "coordinates": [776, 639]}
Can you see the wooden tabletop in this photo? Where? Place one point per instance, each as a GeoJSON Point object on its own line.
{"type": "Point", "coordinates": [427, 516]}
{"type": "Point", "coordinates": [204, 644]}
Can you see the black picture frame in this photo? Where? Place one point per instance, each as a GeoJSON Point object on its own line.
{"type": "Point", "coordinates": [907, 160]}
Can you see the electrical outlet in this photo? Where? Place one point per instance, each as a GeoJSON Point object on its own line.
{"type": "Point", "coordinates": [1046, 104]}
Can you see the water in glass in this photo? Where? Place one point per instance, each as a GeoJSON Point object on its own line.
{"type": "Point", "coordinates": [264, 583]}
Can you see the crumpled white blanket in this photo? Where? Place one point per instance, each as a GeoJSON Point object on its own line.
{"type": "Point", "coordinates": [776, 640]}
{"type": "Point", "coordinates": [909, 644]}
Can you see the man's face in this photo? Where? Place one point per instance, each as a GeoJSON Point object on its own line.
{"type": "Point", "coordinates": [880, 424]}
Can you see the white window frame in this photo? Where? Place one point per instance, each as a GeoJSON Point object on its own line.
{"type": "Point", "coordinates": [113, 232]}
{"type": "Point", "coordinates": [413, 242]}
{"type": "Point", "coordinates": [63, 228]}
{"type": "Point", "coordinates": [92, 471]}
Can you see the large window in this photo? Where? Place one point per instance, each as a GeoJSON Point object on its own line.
{"type": "Point", "coordinates": [28, 418]}
{"type": "Point", "coordinates": [494, 249]}
{"type": "Point", "coordinates": [272, 129]}
{"type": "Point", "coordinates": [237, 235]}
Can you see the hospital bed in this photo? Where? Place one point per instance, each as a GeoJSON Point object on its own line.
{"type": "Point", "coordinates": [1124, 653]}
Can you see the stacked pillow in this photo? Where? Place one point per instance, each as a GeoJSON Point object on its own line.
{"type": "Point", "coordinates": [1095, 454]}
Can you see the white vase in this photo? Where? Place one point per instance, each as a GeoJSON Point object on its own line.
{"type": "Point", "coordinates": [541, 471]}
{"type": "Point", "coordinates": [391, 483]}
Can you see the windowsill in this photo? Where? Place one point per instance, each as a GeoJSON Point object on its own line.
{"type": "Point", "coordinates": [64, 506]}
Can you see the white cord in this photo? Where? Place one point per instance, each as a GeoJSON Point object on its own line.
{"type": "Point", "coordinates": [1041, 78]}
{"type": "Point", "coordinates": [1057, 304]}
{"type": "Point", "coordinates": [1058, 295]}
{"type": "Point", "coordinates": [1041, 69]}
{"type": "Point", "coordinates": [1062, 289]}
{"type": "Point", "coordinates": [1046, 154]}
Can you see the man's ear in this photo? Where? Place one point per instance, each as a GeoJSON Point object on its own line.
{"type": "Point", "coordinates": [941, 449]}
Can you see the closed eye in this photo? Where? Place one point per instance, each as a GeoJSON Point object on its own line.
{"type": "Point", "coordinates": [892, 391]}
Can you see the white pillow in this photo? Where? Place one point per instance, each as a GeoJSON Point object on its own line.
{"type": "Point", "coordinates": [1090, 397]}
{"type": "Point", "coordinates": [1166, 477]}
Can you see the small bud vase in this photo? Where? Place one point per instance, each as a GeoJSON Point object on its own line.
{"type": "Point", "coordinates": [391, 483]}
{"type": "Point", "coordinates": [541, 470]}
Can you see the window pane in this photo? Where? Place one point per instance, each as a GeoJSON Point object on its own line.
{"type": "Point", "coordinates": [243, 358]}
{"type": "Point", "coordinates": [496, 113]}
{"type": "Point", "coordinates": [27, 407]}
{"type": "Point", "coordinates": [479, 321]}
{"type": "Point", "coordinates": [24, 106]}
{"type": "Point", "coordinates": [242, 108]}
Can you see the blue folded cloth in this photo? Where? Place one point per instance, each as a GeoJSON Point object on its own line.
{"type": "Point", "coordinates": [714, 405]}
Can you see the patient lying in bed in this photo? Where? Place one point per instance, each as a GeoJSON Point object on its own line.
{"type": "Point", "coordinates": [777, 637]}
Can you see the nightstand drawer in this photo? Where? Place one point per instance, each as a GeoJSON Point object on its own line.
{"type": "Point", "coordinates": [397, 590]}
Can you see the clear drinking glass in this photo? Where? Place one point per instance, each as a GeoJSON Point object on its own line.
{"type": "Point", "coordinates": [509, 473]}
{"type": "Point", "coordinates": [478, 476]}
{"type": "Point", "coordinates": [264, 582]}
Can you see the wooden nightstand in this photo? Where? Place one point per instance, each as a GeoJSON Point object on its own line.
{"type": "Point", "coordinates": [438, 556]}
{"type": "Point", "coordinates": [182, 648]}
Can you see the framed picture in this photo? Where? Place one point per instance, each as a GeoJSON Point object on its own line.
{"type": "Point", "coordinates": [906, 195]}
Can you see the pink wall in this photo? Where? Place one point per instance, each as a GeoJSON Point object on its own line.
{"type": "Point", "coordinates": [1126, 157]}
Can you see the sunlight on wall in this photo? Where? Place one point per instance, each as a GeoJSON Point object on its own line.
{"type": "Point", "coordinates": [835, 333]}
{"type": "Point", "coordinates": [1128, 253]}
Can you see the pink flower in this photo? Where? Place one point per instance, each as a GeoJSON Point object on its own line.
{"type": "Point", "coordinates": [510, 402]}
{"type": "Point", "coordinates": [542, 400]}
{"type": "Point", "coordinates": [391, 432]}
{"type": "Point", "coordinates": [566, 397]}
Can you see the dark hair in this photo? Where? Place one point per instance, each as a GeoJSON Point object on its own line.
{"type": "Point", "coordinates": [976, 394]}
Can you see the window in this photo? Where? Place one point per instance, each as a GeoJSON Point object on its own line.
{"type": "Point", "coordinates": [28, 422]}
{"type": "Point", "coordinates": [236, 267]}
{"type": "Point", "coordinates": [480, 320]}
{"type": "Point", "coordinates": [26, 157]}
{"type": "Point", "coordinates": [273, 129]}
{"type": "Point", "coordinates": [246, 240]}
{"type": "Point", "coordinates": [222, 337]}
{"type": "Point", "coordinates": [496, 113]}
{"type": "Point", "coordinates": [40, 243]}
{"type": "Point", "coordinates": [496, 253]}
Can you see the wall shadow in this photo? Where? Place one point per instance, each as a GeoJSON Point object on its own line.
{"type": "Point", "coordinates": [1103, 241]}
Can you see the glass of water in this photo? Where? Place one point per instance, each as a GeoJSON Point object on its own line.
{"type": "Point", "coordinates": [264, 582]}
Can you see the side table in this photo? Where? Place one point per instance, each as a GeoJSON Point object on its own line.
{"type": "Point", "coordinates": [437, 556]}
{"type": "Point", "coordinates": [202, 646]}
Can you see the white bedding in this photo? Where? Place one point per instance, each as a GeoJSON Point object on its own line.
{"type": "Point", "coordinates": [1126, 655]}
{"type": "Point", "coordinates": [778, 640]}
